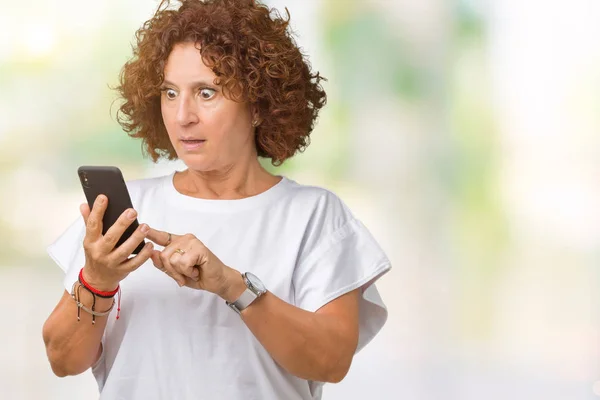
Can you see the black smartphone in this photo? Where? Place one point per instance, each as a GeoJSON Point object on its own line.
{"type": "Point", "coordinates": [109, 182]}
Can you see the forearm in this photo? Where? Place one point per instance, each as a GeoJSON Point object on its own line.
{"type": "Point", "coordinates": [307, 344]}
{"type": "Point", "coordinates": [73, 346]}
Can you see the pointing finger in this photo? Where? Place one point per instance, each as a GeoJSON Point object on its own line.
{"type": "Point", "coordinates": [160, 237]}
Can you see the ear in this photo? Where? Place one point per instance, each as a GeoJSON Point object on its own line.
{"type": "Point", "coordinates": [256, 120]}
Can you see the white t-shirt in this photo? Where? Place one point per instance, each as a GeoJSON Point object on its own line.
{"type": "Point", "coordinates": [180, 343]}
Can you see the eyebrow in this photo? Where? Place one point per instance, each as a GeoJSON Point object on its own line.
{"type": "Point", "coordinates": [194, 84]}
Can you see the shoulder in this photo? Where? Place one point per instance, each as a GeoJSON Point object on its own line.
{"type": "Point", "coordinates": [323, 208]}
{"type": "Point", "coordinates": [317, 196]}
{"type": "Point", "coordinates": [139, 188]}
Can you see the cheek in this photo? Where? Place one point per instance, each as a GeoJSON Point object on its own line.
{"type": "Point", "coordinates": [168, 115]}
{"type": "Point", "coordinates": [220, 119]}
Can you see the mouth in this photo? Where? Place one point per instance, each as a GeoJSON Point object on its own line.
{"type": "Point", "coordinates": [192, 144]}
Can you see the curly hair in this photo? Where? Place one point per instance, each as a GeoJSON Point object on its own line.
{"type": "Point", "coordinates": [251, 51]}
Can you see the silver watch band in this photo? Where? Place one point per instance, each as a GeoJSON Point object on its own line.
{"type": "Point", "coordinates": [246, 298]}
{"type": "Point", "coordinates": [254, 289]}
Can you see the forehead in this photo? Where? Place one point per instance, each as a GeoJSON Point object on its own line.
{"type": "Point", "coordinates": [185, 64]}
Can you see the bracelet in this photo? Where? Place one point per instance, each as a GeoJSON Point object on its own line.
{"type": "Point", "coordinates": [99, 293]}
{"type": "Point", "coordinates": [75, 294]}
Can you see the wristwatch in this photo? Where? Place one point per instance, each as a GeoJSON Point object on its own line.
{"type": "Point", "coordinates": [254, 289]}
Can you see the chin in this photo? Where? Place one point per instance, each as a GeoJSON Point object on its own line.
{"type": "Point", "coordinates": [198, 163]}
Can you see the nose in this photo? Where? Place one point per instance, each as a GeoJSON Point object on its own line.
{"type": "Point", "coordinates": [186, 111]}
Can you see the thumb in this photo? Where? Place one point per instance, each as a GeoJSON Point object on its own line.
{"type": "Point", "coordinates": [84, 209]}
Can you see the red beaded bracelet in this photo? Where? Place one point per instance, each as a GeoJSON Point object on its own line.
{"type": "Point", "coordinates": [100, 293]}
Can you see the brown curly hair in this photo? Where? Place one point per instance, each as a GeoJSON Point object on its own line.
{"type": "Point", "coordinates": [249, 48]}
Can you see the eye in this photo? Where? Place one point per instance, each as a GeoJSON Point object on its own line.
{"type": "Point", "coordinates": [170, 93]}
{"type": "Point", "coordinates": [207, 93]}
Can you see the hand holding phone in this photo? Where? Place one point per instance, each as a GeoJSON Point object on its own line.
{"type": "Point", "coordinates": [112, 234]}
{"type": "Point", "coordinates": [109, 182]}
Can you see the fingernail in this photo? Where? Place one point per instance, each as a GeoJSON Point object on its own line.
{"type": "Point", "coordinates": [100, 199]}
{"type": "Point", "coordinates": [180, 284]}
{"type": "Point", "coordinates": [145, 228]}
{"type": "Point", "coordinates": [131, 214]}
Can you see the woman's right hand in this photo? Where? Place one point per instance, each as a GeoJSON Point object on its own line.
{"type": "Point", "coordinates": [105, 265]}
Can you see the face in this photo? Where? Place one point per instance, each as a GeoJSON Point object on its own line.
{"type": "Point", "coordinates": [208, 131]}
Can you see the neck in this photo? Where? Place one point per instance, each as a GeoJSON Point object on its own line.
{"type": "Point", "coordinates": [235, 181]}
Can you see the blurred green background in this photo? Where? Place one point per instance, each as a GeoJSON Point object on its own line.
{"type": "Point", "coordinates": [463, 133]}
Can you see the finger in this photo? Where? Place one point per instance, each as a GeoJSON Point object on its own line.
{"type": "Point", "coordinates": [165, 257]}
{"type": "Point", "coordinates": [84, 209]}
{"type": "Point", "coordinates": [94, 219]}
{"type": "Point", "coordinates": [114, 233]}
{"type": "Point", "coordinates": [134, 262]}
{"type": "Point", "coordinates": [160, 237]}
{"type": "Point", "coordinates": [157, 261]}
{"type": "Point", "coordinates": [123, 252]}
{"type": "Point", "coordinates": [186, 264]}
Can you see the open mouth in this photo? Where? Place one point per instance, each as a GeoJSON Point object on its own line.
{"type": "Point", "coordinates": [191, 144]}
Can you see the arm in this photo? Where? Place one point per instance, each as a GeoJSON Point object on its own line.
{"type": "Point", "coordinates": [311, 345]}
{"type": "Point", "coordinates": [74, 346]}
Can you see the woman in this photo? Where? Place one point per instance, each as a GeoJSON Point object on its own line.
{"type": "Point", "coordinates": [256, 287]}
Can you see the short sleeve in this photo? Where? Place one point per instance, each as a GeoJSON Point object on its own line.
{"type": "Point", "coordinates": [67, 252]}
{"type": "Point", "coordinates": [348, 258]}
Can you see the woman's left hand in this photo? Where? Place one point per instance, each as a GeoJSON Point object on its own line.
{"type": "Point", "coordinates": [189, 262]}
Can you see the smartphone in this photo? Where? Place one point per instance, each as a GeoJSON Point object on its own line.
{"type": "Point", "coordinates": [109, 182]}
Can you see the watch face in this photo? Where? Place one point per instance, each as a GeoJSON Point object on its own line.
{"type": "Point", "coordinates": [254, 281]}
